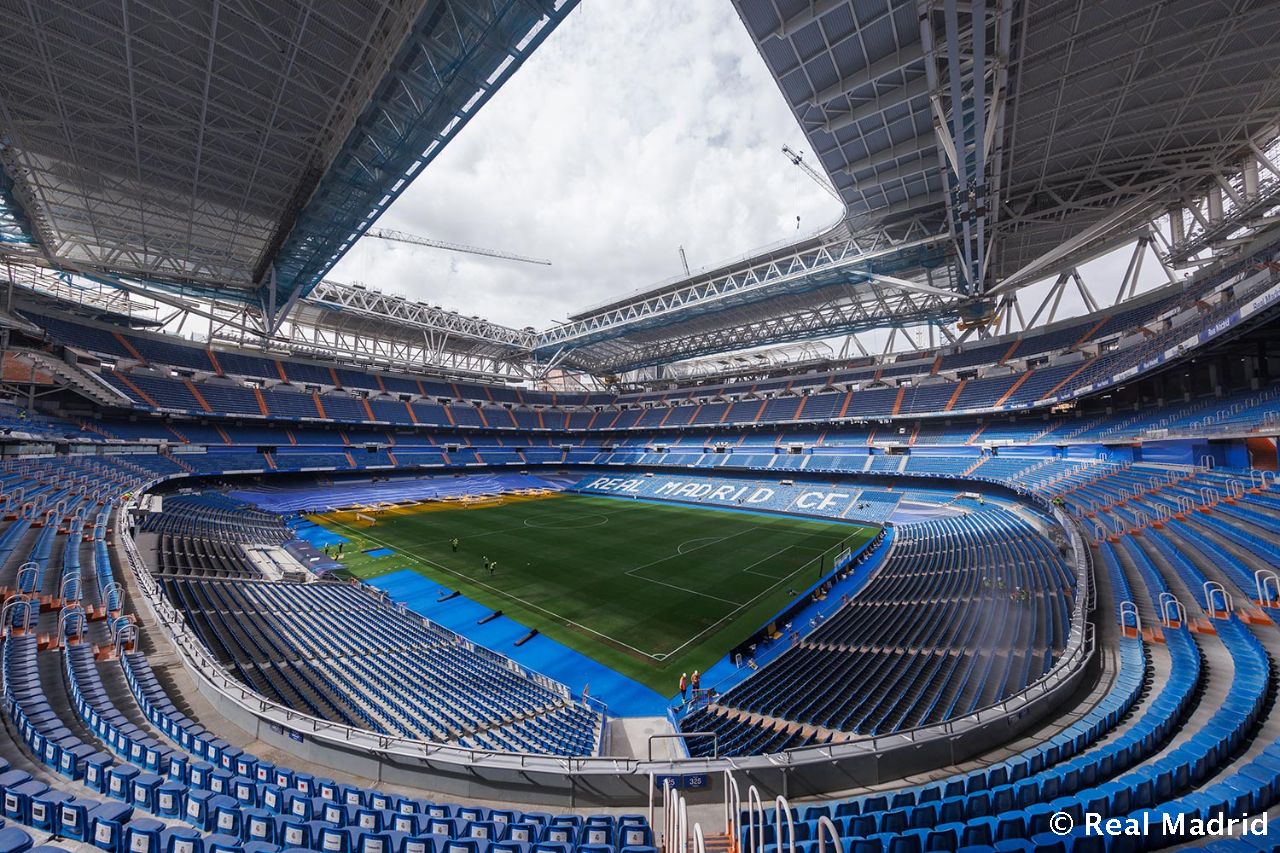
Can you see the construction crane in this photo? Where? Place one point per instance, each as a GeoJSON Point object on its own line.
{"type": "Point", "coordinates": [797, 159]}
{"type": "Point", "coordinates": [415, 240]}
{"type": "Point", "coordinates": [684, 262]}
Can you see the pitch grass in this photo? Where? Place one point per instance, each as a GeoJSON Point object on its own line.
{"type": "Point", "coordinates": [650, 590]}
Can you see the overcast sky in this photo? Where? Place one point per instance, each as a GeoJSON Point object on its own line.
{"type": "Point", "coordinates": [637, 127]}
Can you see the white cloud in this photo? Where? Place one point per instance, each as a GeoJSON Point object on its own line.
{"type": "Point", "coordinates": [638, 126]}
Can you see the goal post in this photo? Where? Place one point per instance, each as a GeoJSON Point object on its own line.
{"type": "Point", "coordinates": [366, 519]}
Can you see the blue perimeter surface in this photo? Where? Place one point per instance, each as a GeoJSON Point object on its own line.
{"type": "Point", "coordinates": [624, 696]}
{"type": "Point", "coordinates": [380, 552]}
{"type": "Point", "coordinates": [317, 536]}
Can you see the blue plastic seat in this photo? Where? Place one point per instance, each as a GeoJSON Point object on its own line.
{"type": "Point", "coordinates": [14, 840]}
{"type": "Point", "coordinates": [424, 843]}
{"type": "Point", "coordinates": [45, 809]}
{"type": "Point", "coordinates": [73, 818]}
{"type": "Point", "coordinates": [17, 800]}
{"type": "Point", "coordinates": [106, 825]}
{"type": "Point", "coordinates": [182, 839]}
{"type": "Point", "coordinates": [142, 835]}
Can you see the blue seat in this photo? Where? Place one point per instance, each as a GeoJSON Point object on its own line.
{"type": "Point", "coordinates": [73, 818]}
{"type": "Point", "coordinates": [199, 773]}
{"type": "Point", "coordinates": [227, 816]}
{"type": "Point", "coordinates": [145, 786]}
{"type": "Point", "coordinates": [260, 847]}
{"type": "Point", "coordinates": [297, 805]}
{"type": "Point", "coordinates": [245, 790]}
{"type": "Point", "coordinates": [143, 836]}
{"type": "Point", "coordinates": [377, 842]}
{"type": "Point", "coordinates": [941, 839]}
{"type": "Point", "coordinates": [14, 840]}
{"type": "Point", "coordinates": [629, 835]}
{"type": "Point", "coordinates": [448, 826]}
{"type": "Point", "coordinates": [510, 846]}
{"type": "Point", "coordinates": [423, 843]}
{"type": "Point", "coordinates": [182, 839]}
{"type": "Point", "coordinates": [549, 847]}
{"type": "Point", "coordinates": [1049, 842]}
{"type": "Point", "coordinates": [120, 782]}
{"type": "Point", "coordinates": [865, 845]}
{"type": "Point", "coordinates": [485, 830]}
{"type": "Point", "coordinates": [106, 825]}
{"type": "Point", "coordinates": [220, 843]}
{"type": "Point", "coordinates": [45, 809]}
{"type": "Point", "coordinates": [338, 814]}
{"type": "Point", "coordinates": [258, 825]}
{"type": "Point", "coordinates": [272, 798]}
{"type": "Point", "coordinates": [410, 824]}
{"type": "Point", "coordinates": [295, 831]}
{"type": "Point", "coordinates": [71, 762]}
{"type": "Point", "coordinates": [335, 840]}
{"type": "Point", "coordinates": [17, 800]}
{"type": "Point", "coordinates": [465, 845]}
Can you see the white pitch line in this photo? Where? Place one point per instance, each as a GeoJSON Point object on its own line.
{"type": "Point", "coordinates": [684, 589]}
{"type": "Point", "coordinates": [505, 594]}
{"type": "Point", "coordinates": [748, 569]}
{"type": "Point", "coordinates": [655, 656]}
{"type": "Point", "coordinates": [722, 619]}
{"type": "Point", "coordinates": [710, 541]}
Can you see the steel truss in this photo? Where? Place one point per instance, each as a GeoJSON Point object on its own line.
{"type": "Point", "coordinates": [318, 341]}
{"type": "Point", "coordinates": [353, 322]}
{"type": "Point", "coordinates": [966, 51]}
{"type": "Point", "coordinates": [456, 57]}
{"type": "Point", "coordinates": [850, 260]}
{"type": "Point", "coordinates": [838, 317]}
{"type": "Point", "coordinates": [1228, 211]}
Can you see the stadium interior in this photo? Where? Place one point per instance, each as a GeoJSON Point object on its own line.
{"type": "Point", "coordinates": [849, 544]}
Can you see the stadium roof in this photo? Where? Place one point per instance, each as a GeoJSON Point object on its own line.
{"type": "Point", "coordinates": [235, 151]}
{"type": "Point", "coordinates": [1090, 108]}
{"type": "Point", "coordinates": [232, 149]}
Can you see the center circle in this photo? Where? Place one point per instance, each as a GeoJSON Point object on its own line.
{"type": "Point", "coordinates": [579, 523]}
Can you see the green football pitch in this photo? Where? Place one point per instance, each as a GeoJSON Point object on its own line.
{"type": "Point", "coordinates": [649, 589]}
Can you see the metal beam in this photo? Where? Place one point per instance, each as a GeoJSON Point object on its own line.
{"type": "Point", "coordinates": [848, 258]}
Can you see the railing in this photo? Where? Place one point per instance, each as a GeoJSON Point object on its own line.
{"type": "Point", "coordinates": [1168, 601]}
{"type": "Point", "coordinates": [1215, 592]}
{"type": "Point", "coordinates": [1081, 645]}
{"type": "Point", "coordinates": [1267, 584]}
{"type": "Point", "coordinates": [1129, 613]}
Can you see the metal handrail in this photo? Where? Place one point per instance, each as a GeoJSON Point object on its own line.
{"type": "Point", "coordinates": [198, 659]}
